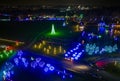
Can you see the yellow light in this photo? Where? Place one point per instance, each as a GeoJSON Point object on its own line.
{"type": "Point", "coordinates": [60, 49]}
{"type": "Point", "coordinates": [49, 47]}
{"type": "Point", "coordinates": [64, 51]}
{"type": "Point", "coordinates": [77, 27]}
{"type": "Point", "coordinates": [81, 67]}
{"type": "Point", "coordinates": [39, 45]}
{"type": "Point", "coordinates": [44, 49]}
{"type": "Point", "coordinates": [54, 51]}
{"type": "Point", "coordinates": [48, 51]}
{"type": "Point", "coordinates": [35, 46]}
{"type": "Point", "coordinates": [17, 43]}
{"type": "Point", "coordinates": [81, 28]}
{"type": "Point", "coordinates": [43, 42]}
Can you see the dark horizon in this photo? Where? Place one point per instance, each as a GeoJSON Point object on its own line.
{"type": "Point", "coordinates": [110, 3]}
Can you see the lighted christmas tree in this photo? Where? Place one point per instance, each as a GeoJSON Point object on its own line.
{"type": "Point", "coordinates": [53, 30]}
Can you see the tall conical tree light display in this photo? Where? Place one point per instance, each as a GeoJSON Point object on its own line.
{"type": "Point", "coordinates": [53, 30]}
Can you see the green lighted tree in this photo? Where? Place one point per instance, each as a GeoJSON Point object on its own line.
{"type": "Point", "coordinates": [53, 30]}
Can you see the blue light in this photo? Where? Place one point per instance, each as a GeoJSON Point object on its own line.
{"type": "Point", "coordinates": [26, 64]}
{"type": "Point", "coordinates": [83, 33]}
{"type": "Point", "coordinates": [63, 77]}
{"type": "Point", "coordinates": [74, 55]}
{"type": "Point", "coordinates": [58, 72]}
{"type": "Point", "coordinates": [23, 60]}
{"type": "Point", "coordinates": [75, 52]}
{"type": "Point", "coordinates": [33, 64]}
{"type": "Point", "coordinates": [68, 52]}
{"type": "Point", "coordinates": [83, 50]}
{"type": "Point", "coordinates": [38, 60]}
{"type": "Point", "coordinates": [12, 72]}
{"type": "Point", "coordinates": [74, 49]}
{"type": "Point", "coordinates": [76, 58]}
{"type": "Point", "coordinates": [71, 76]}
{"type": "Point", "coordinates": [51, 68]}
{"type": "Point", "coordinates": [64, 71]}
{"type": "Point", "coordinates": [4, 73]}
{"type": "Point", "coordinates": [66, 55]}
{"type": "Point", "coordinates": [46, 69]}
{"type": "Point", "coordinates": [80, 53]}
{"type": "Point", "coordinates": [41, 64]}
{"type": "Point", "coordinates": [48, 65]}
{"type": "Point", "coordinates": [8, 74]}
{"type": "Point", "coordinates": [64, 24]}
{"type": "Point", "coordinates": [71, 50]}
{"type": "Point", "coordinates": [16, 61]}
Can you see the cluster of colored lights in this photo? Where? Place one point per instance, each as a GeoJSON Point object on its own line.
{"type": "Point", "coordinates": [94, 49]}
{"type": "Point", "coordinates": [6, 53]}
{"type": "Point", "coordinates": [34, 63]}
{"type": "Point", "coordinates": [49, 49]}
{"type": "Point", "coordinates": [75, 53]}
{"type": "Point", "coordinates": [64, 74]}
{"type": "Point", "coordinates": [103, 28]}
{"type": "Point", "coordinates": [79, 28]}
{"type": "Point", "coordinates": [91, 35]}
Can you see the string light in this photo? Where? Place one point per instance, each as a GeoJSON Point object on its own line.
{"type": "Point", "coordinates": [75, 53]}
{"type": "Point", "coordinates": [19, 61]}
{"type": "Point", "coordinates": [46, 48]}
{"type": "Point", "coordinates": [94, 49]}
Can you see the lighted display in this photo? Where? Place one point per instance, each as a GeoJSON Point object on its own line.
{"type": "Point", "coordinates": [49, 48]}
{"type": "Point", "coordinates": [92, 49]}
{"type": "Point", "coordinates": [75, 53]}
{"type": "Point", "coordinates": [6, 54]}
{"type": "Point", "coordinates": [34, 63]}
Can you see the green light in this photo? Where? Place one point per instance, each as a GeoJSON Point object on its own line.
{"type": "Point", "coordinates": [4, 51]}
{"type": "Point", "coordinates": [81, 16]}
{"type": "Point", "coordinates": [53, 30]}
{"type": "Point", "coordinates": [1, 56]}
{"type": "Point", "coordinates": [11, 51]}
{"type": "Point", "coordinates": [6, 54]}
{"type": "Point", "coordinates": [99, 36]}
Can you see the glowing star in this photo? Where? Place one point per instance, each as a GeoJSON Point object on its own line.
{"type": "Point", "coordinates": [53, 30]}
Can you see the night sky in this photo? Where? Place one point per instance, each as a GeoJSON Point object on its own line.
{"type": "Point", "coordinates": [61, 2]}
